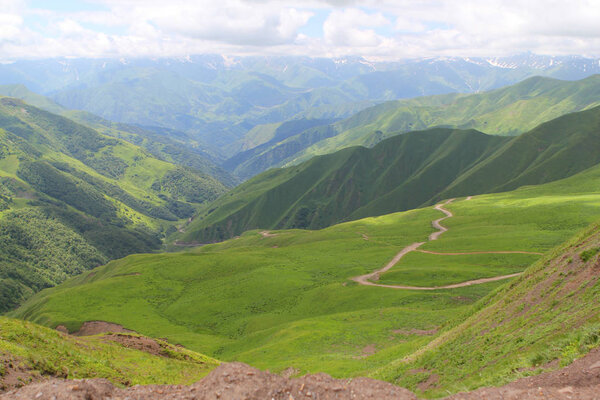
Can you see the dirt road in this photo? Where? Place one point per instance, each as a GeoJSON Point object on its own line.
{"type": "Point", "coordinates": [370, 279]}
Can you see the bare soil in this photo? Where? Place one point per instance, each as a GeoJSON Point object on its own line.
{"type": "Point", "coordinates": [15, 374]}
{"type": "Point", "coordinates": [580, 380]}
{"type": "Point", "coordinates": [227, 382]}
{"type": "Point", "coordinates": [141, 343]}
{"type": "Point", "coordinates": [90, 328]}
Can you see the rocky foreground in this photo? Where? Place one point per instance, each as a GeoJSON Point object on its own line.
{"type": "Point", "coordinates": [580, 380]}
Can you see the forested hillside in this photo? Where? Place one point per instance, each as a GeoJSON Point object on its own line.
{"type": "Point", "coordinates": [72, 199]}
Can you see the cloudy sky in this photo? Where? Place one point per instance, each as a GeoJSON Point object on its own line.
{"type": "Point", "coordinates": [376, 29]}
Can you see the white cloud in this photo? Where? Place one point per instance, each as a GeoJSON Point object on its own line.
{"type": "Point", "coordinates": [373, 28]}
{"type": "Point", "coordinates": [351, 28]}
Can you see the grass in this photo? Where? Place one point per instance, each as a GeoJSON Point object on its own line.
{"type": "Point", "coordinates": [286, 299]}
{"type": "Point", "coordinates": [44, 351]}
{"type": "Point", "coordinates": [550, 313]}
{"type": "Point", "coordinates": [248, 300]}
{"type": "Point", "coordinates": [419, 269]}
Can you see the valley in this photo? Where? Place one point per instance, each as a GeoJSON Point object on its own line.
{"type": "Point", "coordinates": [166, 220]}
{"type": "Point", "coordinates": [286, 299]}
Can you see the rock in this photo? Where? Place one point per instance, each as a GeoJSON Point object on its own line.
{"type": "Point", "coordinates": [595, 365]}
{"type": "Point", "coordinates": [567, 389]}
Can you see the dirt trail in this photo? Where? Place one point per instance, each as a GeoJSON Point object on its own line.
{"type": "Point", "coordinates": [370, 279]}
{"type": "Point", "coordinates": [365, 279]}
{"type": "Point", "coordinates": [436, 224]}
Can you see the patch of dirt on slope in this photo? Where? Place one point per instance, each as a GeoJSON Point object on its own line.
{"type": "Point", "coordinates": [62, 329]}
{"type": "Point", "coordinates": [141, 343]}
{"type": "Point", "coordinates": [418, 332]}
{"type": "Point", "coordinates": [429, 383]}
{"type": "Point", "coordinates": [90, 328]}
{"type": "Point", "coordinates": [14, 374]}
{"type": "Point", "coordinates": [580, 380]}
{"type": "Point", "coordinates": [227, 382]}
{"type": "Point", "coordinates": [267, 234]}
{"type": "Point", "coordinates": [367, 351]}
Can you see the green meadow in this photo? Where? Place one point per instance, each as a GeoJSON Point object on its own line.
{"type": "Point", "coordinates": [421, 269]}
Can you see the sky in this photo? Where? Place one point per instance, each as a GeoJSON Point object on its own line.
{"type": "Point", "coordinates": [374, 29]}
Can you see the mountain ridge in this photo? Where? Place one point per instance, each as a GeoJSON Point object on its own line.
{"type": "Point", "coordinates": [406, 171]}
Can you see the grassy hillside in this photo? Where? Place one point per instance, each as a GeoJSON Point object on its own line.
{"type": "Point", "coordinates": [264, 137]}
{"type": "Point", "coordinates": [545, 319]}
{"type": "Point", "coordinates": [400, 173]}
{"type": "Point", "coordinates": [33, 352]}
{"type": "Point", "coordinates": [507, 111]}
{"type": "Point", "coordinates": [285, 298]}
{"type": "Point", "coordinates": [71, 199]}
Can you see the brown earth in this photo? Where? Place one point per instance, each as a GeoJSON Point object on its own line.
{"type": "Point", "coordinates": [15, 374]}
{"type": "Point", "coordinates": [227, 382]}
{"type": "Point", "coordinates": [142, 343]}
{"type": "Point", "coordinates": [580, 380]}
{"type": "Point", "coordinates": [413, 331]}
{"type": "Point", "coordinates": [90, 328]}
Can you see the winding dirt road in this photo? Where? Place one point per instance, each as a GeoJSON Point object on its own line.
{"type": "Point", "coordinates": [370, 279]}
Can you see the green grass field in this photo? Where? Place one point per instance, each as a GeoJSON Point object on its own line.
{"type": "Point", "coordinates": [419, 269]}
{"type": "Point", "coordinates": [285, 299]}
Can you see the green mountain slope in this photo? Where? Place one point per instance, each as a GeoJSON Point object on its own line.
{"type": "Point", "coordinates": [507, 111]}
{"type": "Point", "coordinates": [71, 199]}
{"type": "Point", "coordinates": [33, 352]}
{"type": "Point", "coordinates": [400, 173]}
{"type": "Point", "coordinates": [167, 145]}
{"type": "Point", "coordinates": [285, 298]}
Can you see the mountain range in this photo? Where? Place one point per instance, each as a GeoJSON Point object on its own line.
{"type": "Point", "coordinates": [219, 99]}
{"type": "Point", "coordinates": [511, 110]}
{"type": "Point", "coordinates": [400, 173]}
